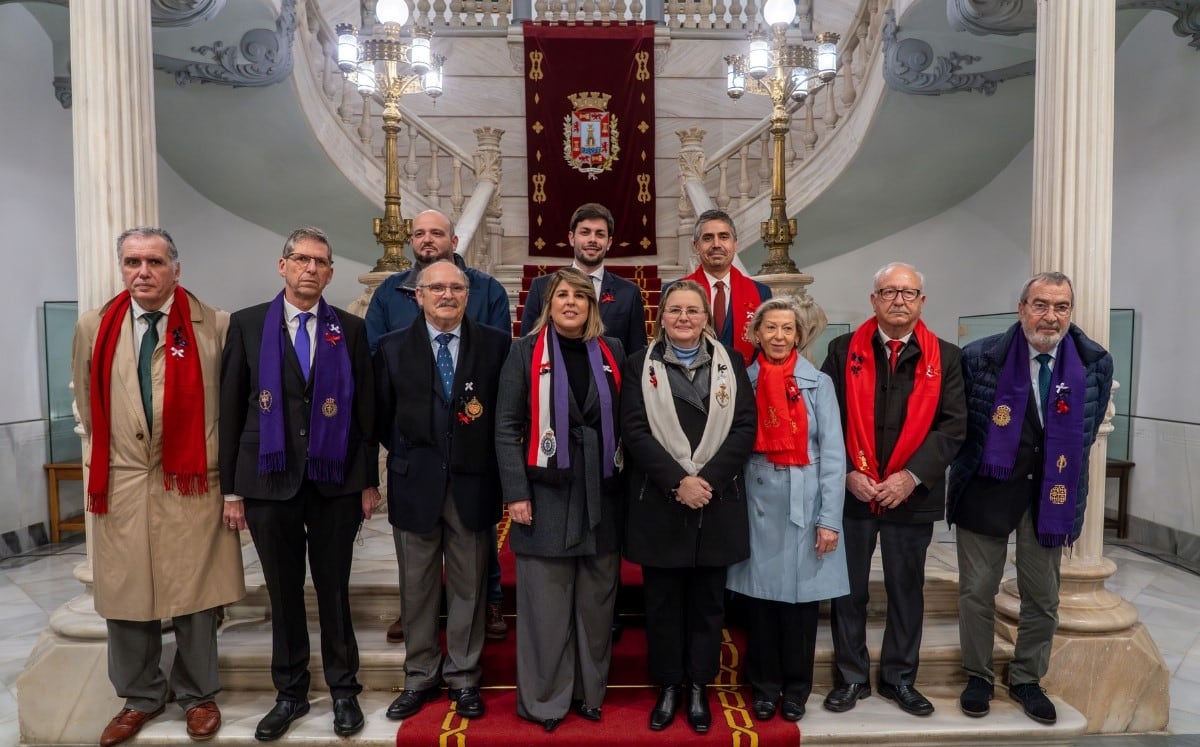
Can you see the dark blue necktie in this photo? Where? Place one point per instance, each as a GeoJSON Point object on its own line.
{"type": "Point", "coordinates": [445, 364]}
{"type": "Point", "coordinates": [303, 343]}
{"type": "Point", "coordinates": [1043, 360]}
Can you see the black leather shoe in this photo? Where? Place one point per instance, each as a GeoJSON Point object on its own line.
{"type": "Point", "coordinates": [763, 707]}
{"type": "Point", "coordinates": [698, 715]}
{"type": "Point", "coordinates": [467, 702]}
{"type": "Point", "coordinates": [275, 724]}
{"type": "Point", "coordinates": [347, 716]}
{"type": "Point", "coordinates": [551, 724]}
{"type": "Point", "coordinates": [668, 702]}
{"type": "Point", "coordinates": [409, 702]}
{"type": "Point", "coordinates": [1034, 701]}
{"type": "Point", "coordinates": [975, 697]}
{"type": "Point", "coordinates": [591, 713]}
{"type": "Point", "coordinates": [844, 697]}
{"type": "Point", "coordinates": [791, 710]}
{"type": "Point", "coordinates": [907, 697]}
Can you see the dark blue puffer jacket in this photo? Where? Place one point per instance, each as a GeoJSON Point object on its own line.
{"type": "Point", "coordinates": [982, 361]}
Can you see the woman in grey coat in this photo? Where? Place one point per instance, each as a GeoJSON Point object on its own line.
{"type": "Point", "coordinates": [558, 444]}
{"type": "Point", "coordinates": [795, 485]}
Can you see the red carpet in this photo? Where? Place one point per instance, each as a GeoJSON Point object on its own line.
{"type": "Point", "coordinates": [626, 713]}
{"type": "Point", "coordinates": [627, 704]}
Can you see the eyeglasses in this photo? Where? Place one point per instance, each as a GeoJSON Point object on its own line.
{"type": "Point", "coordinates": [439, 288]}
{"type": "Point", "coordinates": [1040, 308]}
{"type": "Point", "coordinates": [304, 260]}
{"type": "Point", "coordinates": [889, 294]}
{"type": "Point", "coordinates": [690, 311]}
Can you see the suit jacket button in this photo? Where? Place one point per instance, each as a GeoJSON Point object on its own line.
{"type": "Point", "coordinates": [140, 436]}
{"type": "Point", "coordinates": [307, 400]}
{"type": "Point", "coordinates": [443, 466]}
{"type": "Point", "coordinates": [303, 431]}
{"type": "Point", "coordinates": [1037, 449]}
{"type": "Point", "coordinates": [1028, 477]}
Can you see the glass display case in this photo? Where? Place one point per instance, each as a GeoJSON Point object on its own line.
{"type": "Point", "coordinates": [59, 323]}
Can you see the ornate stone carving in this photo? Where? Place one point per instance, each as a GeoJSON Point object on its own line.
{"type": "Point", "coordinates": [62, 90]}
{"type": "Point", "coordinates": [175, 13]}
{"type": "Point", "coordinates": [1186, 12]}
{"type": "Point", "coordinates": [1013, 17]}
{"type": "Point", "coordinates": [262, 58]}
{"type": "Point", "coordinates": [984, 17]}
{"type": "Point", "coordinates": [905, 62]}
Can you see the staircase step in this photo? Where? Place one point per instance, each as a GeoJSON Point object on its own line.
{"type": "Point", "coordinates": [874, 721]}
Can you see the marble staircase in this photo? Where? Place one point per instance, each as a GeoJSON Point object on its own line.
{"type": "Point", "coordinates": [245, 664]}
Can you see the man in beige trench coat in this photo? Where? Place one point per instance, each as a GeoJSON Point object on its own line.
{"type": "Point", "coordinates": [146, 369]}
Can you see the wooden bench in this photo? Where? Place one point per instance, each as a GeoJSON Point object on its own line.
{"type": "Point", "coordinates": [56, 473]}
{"type": "Point", "coordinates": [1120, 468]}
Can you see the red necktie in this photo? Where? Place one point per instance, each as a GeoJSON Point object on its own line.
{"type": "Point", "coordinates": [895, 346]}
{"type": "Point", "coordinates": [719, 308]}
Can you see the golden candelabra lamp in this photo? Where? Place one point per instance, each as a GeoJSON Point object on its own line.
{"type": "Point", "coordinates": [787, 74]}
{"type": "Point", "coordinates": [386, 65]}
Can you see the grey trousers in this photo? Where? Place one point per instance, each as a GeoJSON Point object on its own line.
{"type": "Point", "coordinates": [564, 632]}
{"type": "Point", "coordinates": [421, 556]}
{"type": "Point", "coordinates": [134, 651]}
{"type": "Point", "coordinates": [980, 567]}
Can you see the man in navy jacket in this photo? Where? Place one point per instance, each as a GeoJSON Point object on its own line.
{"type": "Point", "coordinates": [1036, 395]}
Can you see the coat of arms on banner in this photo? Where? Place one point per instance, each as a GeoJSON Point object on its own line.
{"type": "Point", "coordinates": [590, 142]}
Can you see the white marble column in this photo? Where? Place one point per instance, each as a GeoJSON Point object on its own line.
{"type": "Point", "coordinates": [1103, 663]}
{"type": "Point", "coordinates": [116, 179]}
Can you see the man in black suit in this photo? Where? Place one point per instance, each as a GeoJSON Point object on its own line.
{"type": "Point", "coordinates": [298, 455]}
{"type": "Point", "coordinates": [621, 306]}
{"type": "Point", "coordinates": [436, 383]}
{"type": "Point", "coordinates": [904, 415]}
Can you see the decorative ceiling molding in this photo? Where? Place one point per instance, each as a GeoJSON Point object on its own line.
{"type": "Point", "coordinates": [1186, 12]}
{"type": "Point", "coordinates": [175, 13]}
{"type": "Point", "coordinates": [1013, 17]}
{"type": "Point", "coordinates": [163, 13]}
{"type": "Point", "coordinates": [262, 58]}
{"type": "Point", "coordinates": [62, 90]}
{"type": "Point", "coordinates": [985, 17]}
{"type": "Point", "coordinates": [905, 62]}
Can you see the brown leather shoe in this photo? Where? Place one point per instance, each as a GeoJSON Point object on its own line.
{"type": "Point", "coordinates": [203, 721]}
{"type": "Point", "coordinates": [496, 629]}
{"type": "Point", "coordinates": [395, 632]}
{"type": "Point", "coordinates": [125, 725]}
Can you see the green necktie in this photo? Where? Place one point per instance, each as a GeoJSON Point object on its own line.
{"type": "Point", "coordinates": [1043, 360]}
{"type": "Point", "coordinates": [145, 356]}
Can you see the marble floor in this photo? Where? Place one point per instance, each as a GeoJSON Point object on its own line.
{"type": "Point", "coordinates": [1166, 595]}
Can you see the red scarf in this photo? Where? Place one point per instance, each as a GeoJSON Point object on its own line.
{"type": "Point", "coordinates": [782, 416]}
{"type": "Point", "coordinates": [743, 301]}
{"type": "Point", "coordinates": [860, 401]}
{"type": "Point", "coordinates": [184, 459]}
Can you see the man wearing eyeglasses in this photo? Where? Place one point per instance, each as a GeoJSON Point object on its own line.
{"type": "Point", "coordinates": [394, 306]}
{"type": "Point", "coordinates": [1036, 396]}
{"type": "Point", "coordinates": [904, 417]}
{"type": "Point", "coordinates": [436, 385]}
{"type": "Point", "coordinates": [299, 467]}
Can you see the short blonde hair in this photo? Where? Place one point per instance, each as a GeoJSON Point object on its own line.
{"type": "Point", "coordinates": [594, 327]}
{"type": "Point", "coordinates": [810, 319]}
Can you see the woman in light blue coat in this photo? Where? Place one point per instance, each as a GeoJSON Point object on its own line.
{"type": "Point", "coordinates": [795, 483]}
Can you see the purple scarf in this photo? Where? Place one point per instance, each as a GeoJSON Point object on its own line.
{"type": "Point", "coordinates": [332, 396]}
{"type": "Point", "coordinates": [1063, 444]}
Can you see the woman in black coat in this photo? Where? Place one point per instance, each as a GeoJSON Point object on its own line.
{"type": "Point", "coordinates": [688, 424]}
{"type": "Point", "coordinates": [557, 442]}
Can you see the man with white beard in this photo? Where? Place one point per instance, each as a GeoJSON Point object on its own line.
{"type": "Point", "coordinates": [1036, 394]}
